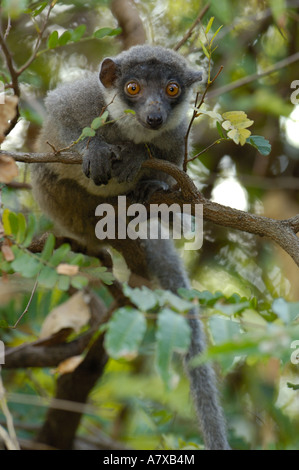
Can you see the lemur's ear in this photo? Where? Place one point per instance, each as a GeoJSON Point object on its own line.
{"type": "Point", "coordinates": [108, 72]}
{"type": "Point", "coordinates": [195, 76]}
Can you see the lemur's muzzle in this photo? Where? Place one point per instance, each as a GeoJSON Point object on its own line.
{"type": "Point", "coordinates": [154, 120]}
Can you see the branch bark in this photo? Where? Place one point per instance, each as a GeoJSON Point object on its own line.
{"type": "Point", "coordinates": [128, 18]}
{"type": "Point", "coordinates": [282, 232]}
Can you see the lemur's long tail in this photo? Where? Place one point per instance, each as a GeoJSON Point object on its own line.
{"type": "Point", "coordinates": [165, 264]}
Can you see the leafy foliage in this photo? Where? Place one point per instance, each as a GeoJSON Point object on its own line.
{"type": "Point", "coordinates": [126, 329]}
{"type": "Point", "coordinates": [46, 265]}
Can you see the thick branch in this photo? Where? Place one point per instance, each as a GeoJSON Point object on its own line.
{"type": "Point", "coordinates": [128, 18]}
{"type": "Point", "coordinates": [51, 157]}
{"type": "Point", "coordinates": [53, 350]}
{"type": "Point", "coordinates": [283, 232]}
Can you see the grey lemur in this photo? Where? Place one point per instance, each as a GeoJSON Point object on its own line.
{"type": "Point", "coordinates": [156, 83]}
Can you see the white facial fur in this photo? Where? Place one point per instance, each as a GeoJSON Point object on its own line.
{"type": "Point", "coordinates": [129, 124]}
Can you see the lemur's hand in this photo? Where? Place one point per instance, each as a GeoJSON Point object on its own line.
{"type": "Point", "coordinates": [127, 164]}
{"type": "Point", "coordinates": [97, 162]}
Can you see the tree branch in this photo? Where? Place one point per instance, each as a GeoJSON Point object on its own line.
{"type": "Point", "coordinates": [256, 76]}
{"type": "Point", "coordinates": [128, 18]}
{"type": "Point", "coordinates": [283, 232]}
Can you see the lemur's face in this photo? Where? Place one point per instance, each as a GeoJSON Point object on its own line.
{"type": "Point", "coordinates": [152, 93]}
{"type": "Point", "coordinates": [158, 93]}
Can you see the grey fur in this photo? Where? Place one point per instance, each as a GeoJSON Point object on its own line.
{"type": "Point", "coordinates": [112, 166]}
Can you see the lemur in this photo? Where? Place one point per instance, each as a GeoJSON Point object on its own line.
{"type": "Point", "coordinates": [156, 84]}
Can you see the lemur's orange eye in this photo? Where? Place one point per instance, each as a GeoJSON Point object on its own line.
{"type": "Point", "coordinates": [132, 88]}
{"type": "Point", "coordinates": [173, 89]}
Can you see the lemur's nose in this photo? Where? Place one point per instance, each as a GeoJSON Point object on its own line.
{"type": "Point", "coordinates": [154, 120]}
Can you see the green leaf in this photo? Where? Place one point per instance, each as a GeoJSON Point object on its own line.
{"type": "Point", "coordinates": [32, 268]}
{"type": "Point", "coordinates": [99, 121]}
{"type": "Point", "coordinates": [293, 386]}
{"type": "Point", "coordinates": [60, 254]}
{"type": "Point", "coordinates": [174, 301]}
{"type": "Point", "coordinates": [232, 309]}
{"type": "Point", "coordinates": [77, 260]}
{"type": "Point", "coordinates": [39, 9]}
{"type": "Point", "coordinates": [214, 36]}
{"type": "Point", "coordinates": [107, 277]}
{"type": "Point", "coordinates": [206, 52]}
{"type": "Point", "coordinates": [286, 311]}
{"type": "Point", "coordinates": [77, 34]}
{"type": "Point", "coordinates": [220, 130]}
{"type": "Point", "coordinates": [25, 264]}
{"type": "Point", "coordinates": [48, 277]}
{"type": "Point", "coordinates": [101, 33]}
{"type": "Point", "coordinates": [88, 132]}
{"type": "Point", "coordinates": [125, 332]}
{"type": "Point", "coordinates": [53, 40]}
{"type": "Point", "coordinates": [101, 273]}
{"type": "Point", "coordinates": [65, 38]}
{"type": "Point", "coordinates": [48, 248]}
{"type": "Point", "coordinates": [260, 143]}
{"type": "Point", "coordinates": [209, 25]}
{"type": "Point", "coordinates": [79, 282]}
{"type": "Point", "coordinates": [21, 228]}
{"type": "Point", "coordinates": [223, 330]}
{"type": "Point", "coordinates": [6, 222]}
{"type": "Point", "coordinates": [63, 282]}
{"type": "Point", "coordinates": [173, 334]}
{"type": "Point", "coordinates": [30, 231]}
{"type": "Point", "coordinates": [205, 297]}
{"type": "Point", "coordinates": [143, 298]}
{"type": "Point", "coordinates": [13, 223]}
{"type": "Point", "coordinates": [227, 351]}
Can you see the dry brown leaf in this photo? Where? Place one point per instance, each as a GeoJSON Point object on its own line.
{"type": "Point", "coordinates": [8, 110]}
{"type": "Point", "coordinates": [67, 269]}
{"type": "Point", "coordinates": [8, 168]}
{"type": "Point", "coordinates": [69, 365]}
{"type": "Point", "coordinates": [74, 314]}
{"type": "Point", "coordinates": [7, 252]}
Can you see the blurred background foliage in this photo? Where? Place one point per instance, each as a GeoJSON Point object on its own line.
{"type": "Point", "coordinates": [131, 404]}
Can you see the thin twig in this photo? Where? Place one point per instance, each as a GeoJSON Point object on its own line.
{"type": "Point", "coordinates": [196, 114]}
{"type": "Point", "coordinates": [38, 41]}
{"type": "Point", "coordinates": [191, 29]}
{"type": "Point", "coordinates": [206, 149]}
{"type": "Point", "coordinates": [27, 306]}
{"type": "Point", "coordinates": [8, 27]}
